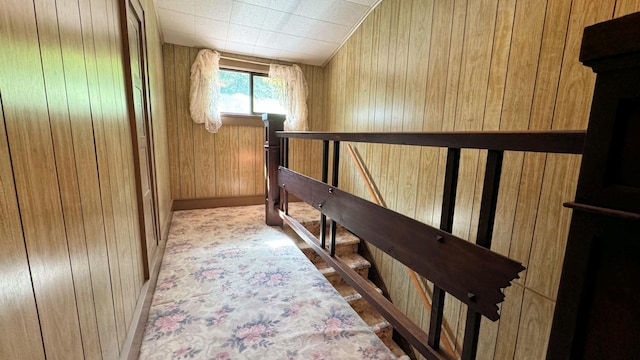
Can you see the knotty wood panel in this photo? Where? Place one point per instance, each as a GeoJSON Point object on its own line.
{"type": "Point", "coordinates": [472, 65]}
{"type": "Point", "coordinates": [69, 141]}
{"type": "Point", "coordinates": [230, 162]}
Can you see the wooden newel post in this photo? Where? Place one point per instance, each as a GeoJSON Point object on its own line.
{"type": "Point", "coordinates": [272, 123]}
{"type": "Point", "coordinates": [598, 306]}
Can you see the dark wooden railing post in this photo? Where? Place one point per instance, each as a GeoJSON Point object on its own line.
{"type": "Point", "coordinates": [446, 224]}
{"type": "Point", "coordinates": [488, 206]}
{"type": "Point", "coordinates": [325, 178]}
{"type": "Point", "coordinates": [272, 123]}
{"type": "Point", "coordinates": [334, 182]}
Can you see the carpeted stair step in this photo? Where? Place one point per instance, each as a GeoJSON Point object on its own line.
{"type": "Point", "coordinates": [354, 261]}
{"type": "Point", "coordinates": [347, 251]}
{"type": "Point", "coordinates": [344, 245]}
{"type": "Point", "coordinates": [395, 349]}
{"type": "Point", "coordinates": [372, 317]}
{"type": "Point", "coordinates": [348, 292]}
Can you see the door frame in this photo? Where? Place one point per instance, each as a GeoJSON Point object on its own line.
{"type": "Point", "coordinates": [126, 7]}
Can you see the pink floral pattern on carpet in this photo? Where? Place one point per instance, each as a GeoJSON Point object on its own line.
{"type": "Point", "coordinates": [231, 287]}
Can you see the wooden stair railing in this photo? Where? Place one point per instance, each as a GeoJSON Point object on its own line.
{"type": "Point", "coordinates": [426, 300]}
{"type": "Point", "coordinates": [470, 272]}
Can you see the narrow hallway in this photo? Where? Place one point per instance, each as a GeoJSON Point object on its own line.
{"type": "Point", "coordinates": [231, 287]}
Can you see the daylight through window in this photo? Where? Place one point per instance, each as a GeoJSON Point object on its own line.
{"type": "Point", "coordinates": [250, 93]}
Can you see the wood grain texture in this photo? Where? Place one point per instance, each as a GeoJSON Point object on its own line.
{"type": "Point", "coordinates": [168, 54]}
{"type": "Point", "coordinates": [29, 137]}
{"type": "Point", "coordinates": [158, 114]}
{"type": "Point", "coordinates": [19, 317]}
{"type": "Point", "coordinates": [535, 326]}
{"type": "Point", "coordinates": [71, 158]}
{"type": "Point", "coordinates": [471, 65]}
{"type": "Point", "coordinates": [231, 162]}
{"type": "Point", "coordinates": [626, 7]}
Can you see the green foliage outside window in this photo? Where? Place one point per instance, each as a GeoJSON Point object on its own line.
{"type": "Point", "coordinates": [246, 93]}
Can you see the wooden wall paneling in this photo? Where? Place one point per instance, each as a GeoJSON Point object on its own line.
{"type": "Point", "coordinates": [347, 178]}
{"type": "Point", "coordinates": [19, 316]}
{"type": "Point", "coordinates": [111, 175]}
{"type": "Point", "coordinates": [381, 55]}
{"type": "Point", "coordinates": [90, 188]}
{"type": "Point", "coordinates": [224, 161]}
{"type": "Point", "coordinates": [528, 22]}
{"type": "Point", "coordinates": [552, 225]}
{"type": "Point", "coordinates": [510, 310]}
{"type": "Point", "coordinates": [369, 149]}
{"type": "Point", "coordinates": [318, 120]}
{"type": "Point", "coordinates": [361, 116]}
{"type": "Point", "coordinates": [85, 110]}
{"type": "Point", "coordinates": [172, 120]}
{"type": "Point", "coordinates": [258, 148]}
{"type": "Point", "coordinates": [502, 42]}
{"type": "Point", "coordinates": [546, 85]}
{"type": "Point", "coordinates": [247, 176]}
{"type": "Point", "coordinates": [222, 173]}
{"type": "Point", "coordinates": [454, 66]}
{"type": "Point", "coordinates": [550, 64]}
{"type": "Point", "coordinates": [526, 210]}
{"type": "Point", "coordinates": [300, 149]}
{"type": "Point", "coordinates": [388, 175]}
{"type": "Point", "coordinates": [418, 31]}
{"type": "Point", "coordinates": [472, 92]}
{"type": "Point", "coordinates": [389, 163]}
{"type": "Point", "coordinates": [626, 7]}
{"type": "Point", "coordinates": [341, 81]}
{"type": "Point", "coordinates": [312, 83]}
{"type": "Point", "coordinates": [519, 86]}
{"type": "Point", "coordinates": [185, 128]}
{"type": "Point", "coordinates": [55, 77]}
{"type": "Point", "coordinates": [505, 60]}
{"type": "Point", "coordinates": [433, 113]}
{"type": "Point", "coordinates": [523, 64]}
{"type": "Point", "coordinates": [574, 91]}
{"type": "Point", "coordinates": [419, 26]}
{"type": "Point", "coordinates": [233, 162]}
{"type": "Point", "coordinates": [158, 101]}
{"type": "Point", "coordinates": [535, 326]}
{"type": "Point", "coordinates": [101, 14]}
{"type": "Point", "coordinates": [29, 137]}
{"type": "Point", "coordinates": [204, 162]}
{"type": "Point", "coordinates": [123, 188]}
{"type": "Point", "coordinates": [83, 145]}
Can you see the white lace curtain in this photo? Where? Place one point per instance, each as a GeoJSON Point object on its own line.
{"type": "Point", "coordinates": [294, 96]}
{"type": "Point", "coordinates": [205, 90]}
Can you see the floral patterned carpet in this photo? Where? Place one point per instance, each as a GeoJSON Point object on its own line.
{"type": "Point", "coordinates": [231, 287]}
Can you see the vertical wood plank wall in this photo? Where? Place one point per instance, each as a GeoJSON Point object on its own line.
{"type": "Point", "coordinates": [71, 252]}
{"type": "Point", "coordinates": [230, 162]}
{"type": "Point", "coordinates": [429, 65]}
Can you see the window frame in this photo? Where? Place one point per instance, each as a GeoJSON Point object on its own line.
{"type": "Point", "coordinates": [251, 113]}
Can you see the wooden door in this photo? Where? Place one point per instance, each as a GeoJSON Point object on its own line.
{"type": "Point", "coordinates": [149, 228]}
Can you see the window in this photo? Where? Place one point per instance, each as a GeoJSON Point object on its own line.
{"type": "Point", "coordinates": [249, 93]}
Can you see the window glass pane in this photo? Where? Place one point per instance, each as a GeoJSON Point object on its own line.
{"type": "Point", "coordinates": [234, 92]}
{"type": "Point", "coordinates": [266, 97]}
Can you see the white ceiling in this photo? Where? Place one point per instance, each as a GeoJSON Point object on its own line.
{"type": "Point", "coordinates": [302, 31]}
